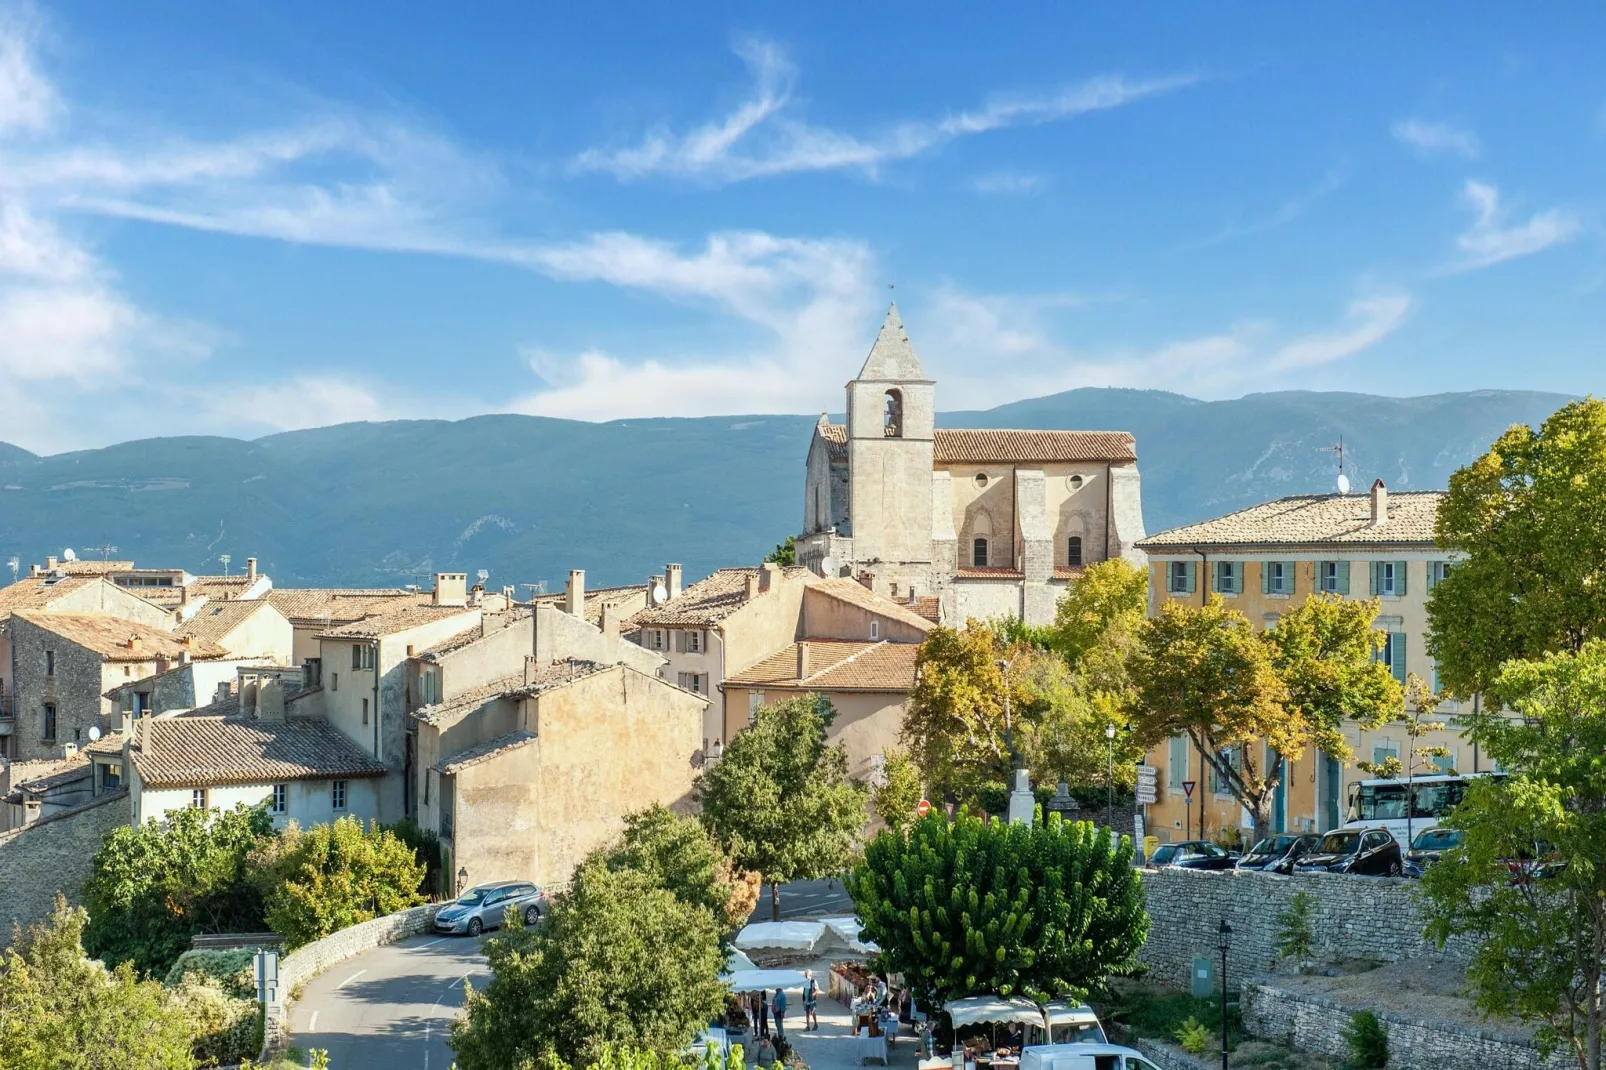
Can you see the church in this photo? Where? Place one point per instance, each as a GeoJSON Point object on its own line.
{"type": "Point", "coordinates": [961, 523]}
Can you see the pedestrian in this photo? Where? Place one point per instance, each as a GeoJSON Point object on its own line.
{"type": "Point", "coordinates": [763, 1014]}
{"type": "Point", "coordinates": [766, 1053]}
{"type": "Point", "coordinates": [779, 1007]}
{"type": "Point", "coordinates": [811, 1001]}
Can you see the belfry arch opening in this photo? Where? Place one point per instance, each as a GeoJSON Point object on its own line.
{"type": "Point", "coordinates": [892, 414]}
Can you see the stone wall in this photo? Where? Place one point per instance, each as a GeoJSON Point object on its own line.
{"type": "Point", "coordinates": [53, 854]}
{"type": "Point", "coordinates": [1316, 1024]}
{"type": "Point", "coordinates": [1354, 917]}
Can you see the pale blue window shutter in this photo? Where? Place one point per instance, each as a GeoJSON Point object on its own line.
{"type": "Point", "coordinates": [1343, 577]}
{"type": "Point", "coordinates": [1265, 577]}
{"type": "Point", "coordinates": [1371, 569]}
{"type": "Point", "coordinates": [1237, 577]}
{"type": "Point", "coordinates": [1191, 569]}
{"type": "Point", "coordinates": [1399, 578]}
{"type": "Point", "coordinates": [1397, 655]}
{"type": "Point", "coordinates": [1177, 763]}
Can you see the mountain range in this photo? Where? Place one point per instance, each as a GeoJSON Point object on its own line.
{"type": "Point", "coordinates": [527, 498]}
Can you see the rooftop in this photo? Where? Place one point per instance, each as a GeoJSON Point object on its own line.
{"type": "Point", "coordinates": [1312, 520]}
{"type": "Point", "coordinates": [36, 769]}
{"type": "Point", "coordinates": [336, 605]}
{"type": "Point", "coordinates": [69, 771]}
{"type": "Point", "coordinates": [95, 568]}
{"type": "Point", "coordinates": [212, 588]}
{"type": "Point", "coordinates": [399, 620]}
{"type": "Point", "coordinates": [469, 700]}
{"type": "Point", "coordinates": [857, 594]}
{"type": "Point", "coordinates": [482, 752]}
{"type": "Point", "coordinates": [116, 639]}
{"type": "Point", "coordinates": [39, 592]}
{"type": "Point", "coordinates": [214, 620]}
{"type": "Point", "coordinates": [708, 601]}
{"type": "Point", "coordinates": [987, 446]}
{"type": "Point", "coordinates": [202, 751]}
{"type": "Point", "coordinates": [835, 665]}
{"type": "Point", "coordinates": [598, 597]}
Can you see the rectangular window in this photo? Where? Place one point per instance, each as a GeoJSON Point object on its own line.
{"type": "Point", "coordinates": [1177, 762]}
{"type": "Point", "coordinates": [1392, 654]}
{"type": "Point", "coordinates": [655, 639]}
{"type": "Point", "coordinates": [356, 655]}
{"type": "Point", "coordinates": [198, 799]}
{"type": "Point", "coordinates": [1383, 750]}
{"type": "Point", "coordinates": [50, 663]}
{"type": "Point", "coordinates": [1229, 577]}
{"type": "Point", "coordinates": [1277, 577]}
{"type": "Point", "coordinates": [1443, 763]}
{"type": "Point", "coordinates": [334, 681]}
{"type": "Point", "coordinates": [111, 777]}
{"type": "Point", "coordinates": [755, 702]}
{"type": "Point", "coordinates": [1233, 760]}
{"type": "Point", "coordinates": [1179, 577]}
{"type": "Point", "coordinates": [694, 642]}
{"type": "Point", "coordinates": [875, 629]}
{"type": "Point", "coordinates": [364, 711]}
{"type": "Point", "coordinates": [1332, 577]}
{"type": "Point", "coordinates": [337, 795]}
{"type": "Point", "coordinates": [1437, 570]}
{"type": "Point", "coordinates": [280, 803]}
{"type": "Point", "coordinates": [48, 729]}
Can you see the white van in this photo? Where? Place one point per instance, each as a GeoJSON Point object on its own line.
{"type": "Point", "coordinates": [1082, 1057]}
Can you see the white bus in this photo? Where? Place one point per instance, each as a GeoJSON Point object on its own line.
{"type": "Point", "coordinates": [1383, 803]}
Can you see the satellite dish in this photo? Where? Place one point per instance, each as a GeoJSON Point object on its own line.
{"type": "Point", "coordinates": [1343, 483]}
{"type": "Point", "coordinates": [659, 595]}
{"type": "Point", "coordinates": [483, 575]}
{"type": "Point", "coordinates": [828, 566]}
{"type": "Point", "coordinates": [94, 734]}
{"type": "Point", "coordinates": [68, 555]}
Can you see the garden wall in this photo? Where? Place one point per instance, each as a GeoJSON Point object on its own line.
{"type": "Point", "coordinates": [1353, 918]}
{"type": "Point", "coordinates": [1315, 1024]}
{"type": "Point", "coordinates": [53, 854]}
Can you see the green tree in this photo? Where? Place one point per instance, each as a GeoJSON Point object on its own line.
{"type": "Point", "coordinates": [1527, 515]}
{"type": "Point", "coordinates": [153, 887]}
{"type": "Point", "coordinates": [780, 801]}
{"type": "Point", "coordinates": [964, 907]}
{"type": "Point", "coordinates": [677, 854]}
{"type": "Point", "coordinates": [329, 877]}
{"type": "Point", "coordinates": [957, 727]}
{"type": "Point", "coordinates": [1068, 716]}
{"type": "Point", "coordinates": [898, 795]}
{"type": "Point", "coordinates": [785, 553]}
{"type": "Point", "coordinates": [1100, 615]}
{"type": "Point", "coordinates": [60, 1010]}
{"type": "Point", "coordinates": [618, 961]}
{"type": "Point", "coordinates": [1540, 938]}
{"type": "Point", "coordinates": [1416, 722]}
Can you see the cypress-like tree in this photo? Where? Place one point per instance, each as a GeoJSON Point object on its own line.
{"type": "Point", "coordinates": [967, 907]}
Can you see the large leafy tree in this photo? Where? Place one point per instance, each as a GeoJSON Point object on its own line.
{"type": "Point", "coordinates": [780, 801]}
{"type": "Point", "coordinates": [1068, 713]}
{"type": "Point", "coordinates": [1530, 516]}
{"type": "Point", "coordinates": [1540, 938]}
{"type": "Point", "coordinates": [60, 1010]}
{"type": "Point", "coordinates": [329, 877]}
{"type": "Point", "coordinates": [896, 798]}
{"type": "Point", "coordinates": [619, 960]}
{"type": "Point", "coordinates": [958, 728]}
{"type": "Point", "coordinates": [678, 855]}
{"type": "Point", "coordinates": [969, 906]}
{"type": "Point", "coordinates": [153, 886]}
{"type": "Point", "coordinates": [1097, 621]}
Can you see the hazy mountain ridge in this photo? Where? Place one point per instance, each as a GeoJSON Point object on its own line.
{"type": "Point", "coordinates": [528, 498]}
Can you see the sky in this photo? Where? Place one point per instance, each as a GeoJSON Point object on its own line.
{"type": "Point", "coordinates": [242, 217]}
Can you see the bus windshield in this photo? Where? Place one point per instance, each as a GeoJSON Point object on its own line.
{"type": "Point", "coordinates": [1386, 801]}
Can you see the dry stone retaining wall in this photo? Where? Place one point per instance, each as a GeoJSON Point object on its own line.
{"type": "Point", "coordinates": [1312, 1023]}
{"type": "Point", "coordinates": [1353, 918]}
{"type": "Point", "coordinates": [53, 854]}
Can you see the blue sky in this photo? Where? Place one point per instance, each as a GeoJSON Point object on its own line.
{"type": "Point", "coordinates": [240, 217]}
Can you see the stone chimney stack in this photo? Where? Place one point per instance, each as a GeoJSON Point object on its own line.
{"type": "Point", "coordinates": [1380, 504]}
{"type": "Point", "coordinates": [802, 660]}
{"type": "Point", "coordinates": [50, 564]}
{"type": "Point", "coordinates": [147, 740]}
{"type": "Point", "coordinates": [610, 621]}
{"type": "Point", "coordinates": [133, 643]}
{"type": "Point", "coordinates": [752, 586]}
{"type": "Point", "coordinates": [250, 571]}
{"type": "Point", "coordinates": [768, 575]}
{"type": "Point", "coordinates": [574, 595]}
{"type": "Point", "coordinates": [672, 575]}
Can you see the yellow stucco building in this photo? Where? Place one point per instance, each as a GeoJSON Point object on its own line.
{"type": "Point", "coordinates": [1267, 559]}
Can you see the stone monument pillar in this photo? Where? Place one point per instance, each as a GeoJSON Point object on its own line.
{"type": "Point", "coordinates": [1021, 801]}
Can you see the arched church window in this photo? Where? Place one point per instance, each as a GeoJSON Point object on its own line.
{"type": "Point", "coordinates": [978, 553]}
{"type": "Point", "coordinates": [892, 415]}
{"type": "Point", "coordinates": [1073, 552]}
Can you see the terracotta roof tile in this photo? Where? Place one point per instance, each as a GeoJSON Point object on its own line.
{"type": "Point", "coordinates": [988, 574]}
{"type": "Point", "coordinates": [857, 594]}
{"type": "Point", "coordinates": [39, 592]}
{"type": "Point", "coordinates": [598, 597]}
{"type": "Point", "coordinates": [1313, 520]}
{"type": "Point", "coordinates": [110, 636]}
{"type": "Point", "coordinates": [484, 752]}
{"type": "Point", "coordinates": [200, 751]}
{"type": "Point", "coordinates": [469, 701]}
{"type": "Point", "coordinates": [71, 771]}
{"type": "Point", "coordinates": [835, 665]}
{"type": "Point", "coordinates": [336, 605]}
{"type": "Point", "coordinates": [930, 608]}
{"type": "Point", "coordinates": [398, 621]}
{"type": "Point", "coordinates": [708, 601]}
{"type": "Point", "coordinates": [990, 446]}
{"type": "Point", "coordinates": [214, 620]}
{"type": "Point", "coordinates": [95, 568]}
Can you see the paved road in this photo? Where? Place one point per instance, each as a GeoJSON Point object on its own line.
{"type": "Point", "coordinates": [390, 1007]}
{"type": "Point", "coordinates": [806, 899]}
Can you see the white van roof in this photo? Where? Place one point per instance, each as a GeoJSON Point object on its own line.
{"type": "Point", "coordinates": [1071, 1056]}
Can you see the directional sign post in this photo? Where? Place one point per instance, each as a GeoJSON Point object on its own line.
{"type": "Point", "coordinates": [1148, 784]}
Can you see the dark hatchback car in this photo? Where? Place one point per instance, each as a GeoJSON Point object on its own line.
{"type": "Point", "coordinates": [1430, 845]}
{"type": "Point", "coordinates": [1373, 852]}
{"type": "Point", "coordinates": [1277, 854]}
{"type": "Point", "coordinates": [1192, 854]}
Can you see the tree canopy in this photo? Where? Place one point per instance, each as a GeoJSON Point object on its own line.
{"type": "Point", "coordinates": [779, 801]}
{"type": "Point", "coordinates": [677, 854]}
{"type": "Point", "coordinates": [329, 877]}
{"type": "Point", "coordinates": [969, 906]}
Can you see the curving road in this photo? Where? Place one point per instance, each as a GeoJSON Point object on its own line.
{"type": "Point", "coordinates": [390, 1007]}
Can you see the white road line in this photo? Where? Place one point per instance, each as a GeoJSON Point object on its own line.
{"type": "Point", "coordinates": [420, 947]}
{"type": "Point", "coordinates": [312, 1023]}
{"type": "Point", "coordinates": [350, 979]}
{"type": "Point", "coordinates": [428, 1022]}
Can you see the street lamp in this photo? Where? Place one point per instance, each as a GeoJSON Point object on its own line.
{"type": "Point", "coordinates": [1224, 942]}
{"type": "Point", "coordinates": [1109, 780]}
{"type": "Point", "coordinates": [462, 878]}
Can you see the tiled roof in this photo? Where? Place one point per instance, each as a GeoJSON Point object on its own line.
{"type": "Point", "coordinates": [469, 700]}
{"type": "Point", "coordinates": [38, 593]}
{"type": "Point", "coordinates": [214, 589]}
{"type": "Point", "coordinates": [72, 770]}
{"type": "Point", "coordinates": [467, 637]}
{"type": "Point", "coordinates": [214, 620]}
{"type": "Point", "coordinates": [708, 601]}
{"type": "Point", "coordinates": [835, 665]}
{"type": "Point", "coordinates": [26, 772]}
{"type": "Point", "coordinates": [208, 751]}
{"type": "Point", "coordinates": [856, 594]}
{"type": "Point", "coordinates": [398, 621]}
{"type": "Point", "coordinates": [597, 598]}
{"type": "Point", "coordinates": [983, 446]}
{"type": "Point", "coordinates": [1312, 520]}
{"type": "Point", "coordinates": [483, 752]}
{"type": "Point", "coordinates": [997, 573]}
{"type": "Point", "coordinates": [110, 743]}
{"type": "Point", "coordinates": [95, 568]}
{"type": "Point", "coordinates": [930, 608]}
{"type": "Point", "coordinates": [109, 637]}
{"type": "Point", "coordinates": [1063, 572]}
{"type": "Point", "coordinates": [335, 605]}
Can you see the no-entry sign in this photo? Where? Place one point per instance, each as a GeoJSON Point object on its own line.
{"type": "Point", "coordinates": [924, 808]}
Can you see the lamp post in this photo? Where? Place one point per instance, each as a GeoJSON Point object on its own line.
{"type": "Point", "coordinates": [462, 878]}
{"type": "Point", "coordinates": [1224, 942]}
{"type": "Point", "coordinates": [1109, 780]}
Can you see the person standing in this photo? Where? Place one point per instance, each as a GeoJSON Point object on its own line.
{"type": "Point", "coordinates": [779, 1007]}
{"type": "Point", "coordinates": [811, 1001]}
{"type": "Point", "coordinates": [763, 1016]}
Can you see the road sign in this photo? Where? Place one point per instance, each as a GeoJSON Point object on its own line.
{"type": "Point", "coordinates": [1146, 793]}
{"type": "Point", "coordinates": [924, 807]}
{"type": "Point", "coordinates": [1187, 788]}
{"type": "Point", "coordinates": [1146, 771]}
{"type": "Point", "coordinates": [267, 970]}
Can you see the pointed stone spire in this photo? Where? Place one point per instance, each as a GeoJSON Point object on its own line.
{"type": "Point", "coordinates": [892, 357]}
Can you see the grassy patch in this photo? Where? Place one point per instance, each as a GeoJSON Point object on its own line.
{"type": "Point", "coordinates": [1158, 1013]}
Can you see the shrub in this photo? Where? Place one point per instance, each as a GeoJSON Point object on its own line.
{"type": "Point", "coordinates": [1193, 1036]}
{"type": "Point", "coordinates": [334, 876]}
{"type": "Point", "coordinates": [426, 847]}
{"type": "Point", "coordinates": [1295, 935]}
{"type": "Point", "coordinates": [1367, 1040]}
{"type": "Point", "coordinates": [232, 971]}
{"type": "Point", "coordinates": [227, 1029]}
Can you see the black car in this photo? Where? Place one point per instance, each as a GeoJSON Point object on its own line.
{"type": "Point", "coordinates": [1192, 854]}
{"type": "Point", "coordinates": [1277, 854]}
{"type": "Point", "coordinates": [1430, 844]}
{"type": "Point", "coordinates": [1374, 852]}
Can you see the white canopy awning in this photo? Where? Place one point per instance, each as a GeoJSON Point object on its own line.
{"type": "Point", "coordinates": [847, 930]}
{"type": "Point", "coordinates": [985, 1010]}
{"type": "Point", "coordinates": [787, 935]}
{"type": "Point", "coordinates": [738, 961]}
{"type": "Point", "coordinates": [764, 980]}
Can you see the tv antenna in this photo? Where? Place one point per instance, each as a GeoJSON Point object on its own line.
{"type": "Point", "coordinates": [483, 575]}
{"type": "Point", "coordinates": [225, 558]}
{"type": "Point", "coordinates": [1337, 449]}
{"type": "Point", "coordinates": [106, 550]}
{"type": "Point", "coordinates": [14, 564]}
{"type": "Point", "coordinates": [536, 589]}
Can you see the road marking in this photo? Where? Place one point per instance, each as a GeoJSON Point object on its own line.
{"type": "Point", "coordinates": [350, 979]}
{"type": "Point", "coordinates": [312, 1023]}
{"type": "Point", "coordinates": [428, 1022]}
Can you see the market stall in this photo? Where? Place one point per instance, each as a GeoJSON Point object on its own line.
{"type": "Point", "coordinates": [847, 930]}
{"type": "Point", "coordinates": [781, 935]}
{"type": "Point", "coordinates": [985, 1053]}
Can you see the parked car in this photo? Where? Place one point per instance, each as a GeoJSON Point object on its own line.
{"type": "Point", "coordinates": [1192, 854]}
{"type": "Point", "coordinates": [482, 907]}
{"type": "Point", "coordinates": [1430, 844]}
{"type": "Point", "coordinates": [1277, 854]}
{"type": "Point", "coordinates": [1082, 1057]}
{"type": "Point", "coordinates": [1374, 852]}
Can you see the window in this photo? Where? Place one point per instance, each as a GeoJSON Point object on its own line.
{"type": "Point", "coordinates": [655, 638]}
{"type": "Point", "coordinates": [356, 655]}
{"type": "Point", "coordinates": [1177, 763]}
{"type": "Point", "coordinates": [1276, 577]}
{"type": "Point", "coordinates": [198, 799]}
{"type": "Point", "coordinates": [334, 681]}
{"type": "Point", "coordinates": [111, 777]}
{"type": "Point", "coordinates": [978, 553]}
{"type": "Point", "coordinates": [1075, 482]}
{"type": "Point", "coordinates": [365, 711]}
{"type": "Point", "coordinates": [50, 663]}
{"type": "Point", "coordinates": [429, 687]}
{"type": "Point", "coordinates": [1073, 552]}
{"type": "Point", "coordinates": [1388, 578]}
{"type": "Point", "coordinates": [1229, 577]}
{"type": "Point", "coordinates": [48, 729]}
{"type": "Point", "coordinates": [1233, 759]}
{"type": "Point", "coordinates": [892, 414]}
{"type": "Point", "coordinates": [1333, 576]}
{"type": "Point", "coordinates": [1392, 654]}
{"type": "Point", "coordinates": [692, 681]}
{"type": "Point", "coordinates": [1383, 750]}
{"type": "Point", "coordinates": [1443, 763]}
{"type": "Point", "coordinates": [337, 795]}
{"type": "Point", "coordinates": [694, 642]}
{"type": "Point", "coordinates": [362, 656]}
{"type": "Point", "coordinates": [1179, 577]}
{"type": "Point", "coordinates": [981, 480]}
{"type": "Point", "coordinates": [1437, 571]}
{"type": "Point", "coordinates": [280, 802]}
{"type": "Point", "coordinates": [755, 702]}
{"type": "Point", "coordinates": [875, 628]}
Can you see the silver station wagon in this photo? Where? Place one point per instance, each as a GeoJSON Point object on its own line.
{"type": "Point", "coordinates": [482, 907]}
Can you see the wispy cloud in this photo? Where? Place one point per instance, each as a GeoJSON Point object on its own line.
{"type": "Point", "coordinates": [1371, 320]}
{"type": "Point", "coordinates": [1285, 213]}
{"type": "Point", "coordinates": [1010, 184]}
{"type": "Point", "coordinates": [1489, 241]}
{"type": "Point", "coordinates": [1434, 138]}
{"type": "Point", "coordinates": [761, 137]}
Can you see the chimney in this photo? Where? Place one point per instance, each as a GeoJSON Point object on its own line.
{"type": "Point", "coordinates": [867, 580]}
{"type": "Point", "coordinates": [802, 660]}
{"type": "Point", "coordinates": [250, 571]}
{"type": "Point", "coordinates": [752, 586]}
{"type": "Point", "coordinates": [147, 741]}
{"type": "Point", "coordinates": [34, 572]}
{"type": "Point", "coordinates": [50, 564]}
{"type": "Point", "coordinates": [451, 589]}
{"type": "Point", "coordinates": [610, 621]}
{"type": "Point", "coordinates": [222, 691]}
{"type": "Point", "coordinates": [133, 642]}
{"type": "Point", "coordinates": [69, 750]}
{"type": "Point", "coordinates": [672, 575]}
{"type": "Point", "coordinates": [183, 595]}
{"type": "Point", "coordinates": [767, 577]}
{"type": "Point", "coordinates": [574, 595]}
{"type": "Point", "coordinates": [270, 700]}
{"type": "Point", "coordinates": [189, 642]}
{"type": "Point", "coordinates": [1380, 504]}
